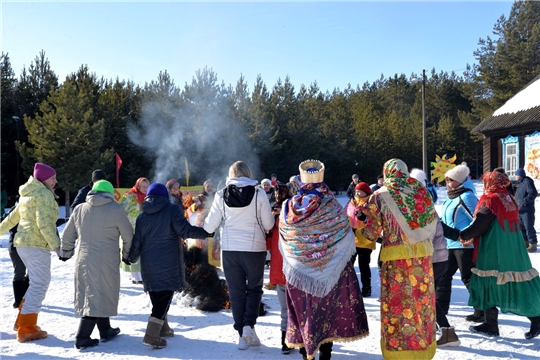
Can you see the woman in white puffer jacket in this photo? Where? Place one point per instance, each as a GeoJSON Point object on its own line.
{"type": "Point", "coordinates": [246, 215]}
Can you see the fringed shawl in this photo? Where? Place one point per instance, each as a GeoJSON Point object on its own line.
{"type": "Point", "coordinates": [316, 240]}
{"type": "Point", "coordinates": [409, 202]}
{"type": "Point", "coordinates": [499, 201]}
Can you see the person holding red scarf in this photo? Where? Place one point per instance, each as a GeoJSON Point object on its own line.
{"type": "Point", "coordinates": [503, 275]}
{"type": "Point", "coordinates": [132, 202]}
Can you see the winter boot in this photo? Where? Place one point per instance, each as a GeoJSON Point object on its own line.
{"type": "Point", "coordinates": [28, 330]}
{"type": "Point", "coordinates": [151, 337]}
{"type": "Point", "coordinates": [491, 325]}
{"type": "Point", "coordinates": [16, 325]}
{"type": "Point", "coordinates": [366, 291]}
{"type": "Point", "coordinates": [166, 331]}
{"type": "Point", "coordinates": [535, 328]}
{"type": "Point", "coordinates": [478, 316]}
{"type": "Point", "coordinates": [526, 244]}
{"type": "Point", "coordinates": [531, 248]}
{"type": "Point", "coordinates": [19, 289]}
{"type": "Point", "coordinates": [303, 352]}
{"type": "Point", "coordinates": [82, 338]}
{"type": "Point", "coordinates": [448, 338]}
{"type": "Point", "coordinates": [285, 350]}
{"type": "Point", "coordinates": [325, 351]}
{"type": "Point", "coordinates": [106, 332]}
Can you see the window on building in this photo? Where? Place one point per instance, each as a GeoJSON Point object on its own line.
{"type": "Point", "coordinates": [511, 159]}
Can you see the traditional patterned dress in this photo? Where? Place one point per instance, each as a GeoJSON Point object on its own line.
{"type": "Point", "coordinates": [402, 214]}
{"type": "Point", "coordinates": [503, 275]}
{"type": "Point", "coordinates": [323, 294]}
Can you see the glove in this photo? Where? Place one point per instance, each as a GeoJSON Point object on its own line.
{"type": "Point", "coordinates": [360, 215]}
{"type": "Point", "coordinates": [64, 259]}
{"type": "Point", "coordinates": [126, 261]}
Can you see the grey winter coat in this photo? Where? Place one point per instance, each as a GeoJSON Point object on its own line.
{"type": "Point", "coordinates": [96, 226]}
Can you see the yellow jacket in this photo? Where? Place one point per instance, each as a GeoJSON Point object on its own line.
{"type": "Point", "coordinates": [36, 213]}
{"type": "Point", "coordinates": [360, 240]}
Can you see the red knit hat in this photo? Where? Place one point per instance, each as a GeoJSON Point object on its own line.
{"type": "Point", "coordinates": [364, 187]}
{"type": "Point", "coordinates": [43, 172]}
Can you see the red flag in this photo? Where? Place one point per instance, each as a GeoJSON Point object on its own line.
{"type": "Point", "coordinates": [118, 165]}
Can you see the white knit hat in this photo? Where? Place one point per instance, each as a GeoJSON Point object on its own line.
{"type": "Point", "coordinates": [419, 175]}
{"type": "Point", "coordinates": [459, 173]}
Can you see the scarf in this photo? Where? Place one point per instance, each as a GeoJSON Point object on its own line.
{"type": "Point", "coordinates": [499, 201]}
{"type": "Point", "coordinates": [281, 192]}
{"type": "Point", "coordinates": [454, 193]}
{"type": "Point", "coordinates": [408, 201]}
{"type": "Point", "coordinates": [316, 240]}
{"type": "Point", "coordinates": [136, 190]}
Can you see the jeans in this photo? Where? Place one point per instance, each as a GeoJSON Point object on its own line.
{"type": "Point", "coordinates": [281, 290]}
{"type": "Point", "coordinates": [244, 272]}
{"type": "Point", "coordinates": [526, 221]}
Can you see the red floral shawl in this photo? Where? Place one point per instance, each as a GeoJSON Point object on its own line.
{"type": "Point", "coordinates": [136, 190]}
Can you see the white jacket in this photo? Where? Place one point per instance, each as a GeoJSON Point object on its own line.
{"type": "Point", "coordinates": [243, 228]}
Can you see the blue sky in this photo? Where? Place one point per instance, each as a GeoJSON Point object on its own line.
{"type": "Point", "coordinates": [335, 44]}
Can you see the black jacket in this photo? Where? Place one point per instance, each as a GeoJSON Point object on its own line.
{"type": "Point", "coordinates": [350, 190]}
{"type": "Point", "coordinates": [525, 195]}
{"type": "Point", "coordinates": [158, 230]}
{"type": "Point", "coordinates": [81, 196]}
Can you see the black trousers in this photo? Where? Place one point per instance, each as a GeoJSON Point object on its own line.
{"type": "Point", "coordinates": [161, 300]}
{"type": "Point", "coordinates": [364, 258]}
{"type": "Point", "coordinates": [526, 221]}
{"type": "Point", "coordinates": [19, 269]}
{"type": "Point", "coordinates": [457, 259]}
{"type": "Point", "coordinates": [439, 271]}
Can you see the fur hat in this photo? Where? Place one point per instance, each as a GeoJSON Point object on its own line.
{"type": "Point", "coordinates": [98, 175]}
{"type": "Point", "coordinates": [364, 187]}
{"type": "Point", "coordinates": [157, 189]}
{"type": "Point", "coordinates": [43, 172]}
{"type": "Point", "coordinates": [520, 172]}
{"type": "Point", "coordinates": [419, 175]}
{"type": "Point", "coordinates": [459, 173]}
{"type": "Point", "coordinates": [266, 181]}
{"type": "Point", "coordinates": [103, 186]}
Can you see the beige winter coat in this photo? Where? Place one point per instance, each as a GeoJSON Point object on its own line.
{"type": "Point", "coordinates": [96, 226]}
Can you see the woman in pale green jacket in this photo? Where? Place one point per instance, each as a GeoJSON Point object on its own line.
{"type": "Point", "coordinates": [36, 215]}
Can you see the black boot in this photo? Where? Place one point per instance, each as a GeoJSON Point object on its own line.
{"type": "Point", "coordinates": [19, 289]}
{"type": "Point", "coordinates": [366, 291]}
{"type": "Point", "coordinates": [491, 325]}
{"type": "Point", "coordinates": [303, 353]}
{"type": "Point", "coordinates": [106, 332]}
{"type": "Point", "coordinates": [478, 316]}
{"type": "Point", "coordinates": [325, 351]}
{"type": "Point", "coordinates": [82, 338]}
{"type": "Point", "coordinates": [285, 350]}
{"type": "Point", "coordinates": [535, 328]}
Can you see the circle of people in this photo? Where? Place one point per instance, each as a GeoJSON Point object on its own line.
{"type": "Point", "coordinates": [314, 243]}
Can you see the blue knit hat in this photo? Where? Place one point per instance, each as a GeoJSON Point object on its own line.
{"type": "Point", "coordinates": [520, 172]}
{"type": "Point", "coordinates": [157, 189]}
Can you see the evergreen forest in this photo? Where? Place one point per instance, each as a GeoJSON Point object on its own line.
{"type": "Point", "coordinates": [162, 130]}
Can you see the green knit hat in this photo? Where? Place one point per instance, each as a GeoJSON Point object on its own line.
{"type": "Point", "coordinates": [103, 186]}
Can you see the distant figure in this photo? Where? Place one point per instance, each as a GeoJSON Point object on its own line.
{"type": "Point", "coordinates": [175, 195]}
{"type": "Point", "coordinates": [293, 185]}
{"type": "Point", "coordinates": [379, 184]}
{"type": "Point", "coordinates": [526, 194]}
{"type": "Point", "coordinates": [268, 189]}
{"type": "Point", "coordinates": [352, 185]}
{"type": "Point", "coordinates": [97, 266]}
{"type": "Point", "coordinates": [420, 175]}
{"type": "Point", "coordinates": [510, 188]}
{"type": "Point", "coordinates": [274, 180]}
{"type": "Point", "coordinates": [503, 275]}
{"type": "Point", "coordinates": [97, 175]}
{"type": "Point", "coordinates": [208, 190]}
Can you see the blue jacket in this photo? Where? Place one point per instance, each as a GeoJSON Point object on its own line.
{"type": "Point", "coordinates": [458, 212]}
{"type": "Point", "coordinates": [525, 195]}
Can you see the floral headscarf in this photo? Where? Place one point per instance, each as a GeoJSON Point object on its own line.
{"type": "Point", "coordinates": [409, 202]}
{"type": "Point", "coordinates": [497, 199]}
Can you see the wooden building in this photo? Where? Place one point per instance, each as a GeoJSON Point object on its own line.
{"type": "Point", "coordinates": [512, 134]}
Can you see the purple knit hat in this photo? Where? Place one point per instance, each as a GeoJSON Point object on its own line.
{"type": "Point", "coordinates": [43, 172]}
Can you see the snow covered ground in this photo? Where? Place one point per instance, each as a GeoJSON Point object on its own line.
{"type": "Point", "coordinates": [200, 335]}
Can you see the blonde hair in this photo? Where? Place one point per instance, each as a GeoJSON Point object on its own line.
{"type": "Point", "coordinates": [239, 169]}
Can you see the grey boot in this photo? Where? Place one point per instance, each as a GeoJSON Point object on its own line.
{"type": "Point", "coordinates": [166, 331]}
{"type": "Point", "coordinates": [153, 329]}
{"type": "Point", "coordinates": [448, 337]}
{"type": "Point", "coordinates": [491, 325]}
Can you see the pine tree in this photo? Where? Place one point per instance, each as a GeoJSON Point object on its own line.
{"type": "Point", "coordinates": [66, 134]}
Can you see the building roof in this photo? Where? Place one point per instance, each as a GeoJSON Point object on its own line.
{"type": "Point", "coordinates": [522, 111]}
